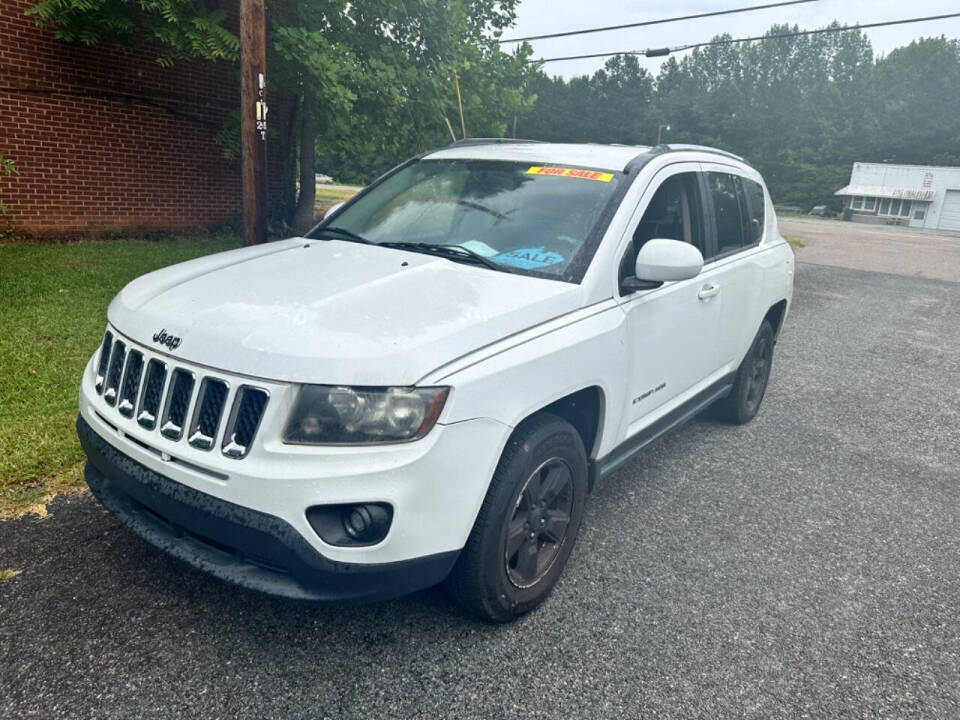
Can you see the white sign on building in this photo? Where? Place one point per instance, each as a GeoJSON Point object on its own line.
{"type": "Point", "coordinates": [916, 195]}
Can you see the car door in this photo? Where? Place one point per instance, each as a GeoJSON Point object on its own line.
{"type": "Point", "coordinates": [736, 206]}
{"type": "Point", "coordinates": [671, 330]}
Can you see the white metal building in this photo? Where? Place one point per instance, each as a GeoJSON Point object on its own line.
{"type": "Point", "coordinates": [916, 195]}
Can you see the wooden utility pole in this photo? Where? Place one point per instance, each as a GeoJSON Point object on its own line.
{"type": "Point", "coordinates": [253, 120]}
{"type": "Point", "coordinates": [456, 84]}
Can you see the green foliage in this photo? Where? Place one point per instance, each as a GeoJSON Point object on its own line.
{"type": "Point", "coordinates": [370, 83]}
{"type": "Point", "coordinates": [228, 136]}
{"type": "Point", "coordinates": [183, 28]}
{"type": "Point", "coordinates": [915, 107]}
{"type": "Point", "coordinates": [801, 109]}
{"type": "Point", "coordinates": [402, 59]}
{"type": "Point", "coordinates": [9, 168]}
{"type": "Point", "coordinates": [612, 105]}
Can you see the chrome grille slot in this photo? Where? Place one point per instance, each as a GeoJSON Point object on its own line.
{"type": "Point", "coordinates": [152, 394]}
{"type": "Point", "coordinates": [245, 418]}
{"type": "Point", "coordinates": [206, 417]}
{"type": "Point", "coordinates": [178, 402]}
{"type": "Point", "coordinates": [131, 383]}
{"type": "Point", "coordinates": [104, 361]}
{"type": "Point", "coordinates": [114, 370]}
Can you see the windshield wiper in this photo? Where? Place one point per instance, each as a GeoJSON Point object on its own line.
{"type": "Point", "coordinates": [344, 234]}
{"type": "Point", "coordinates": [450, 252]}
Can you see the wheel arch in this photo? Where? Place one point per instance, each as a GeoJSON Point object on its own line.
{"type": "Point", "coordinates": [775, 315]}
{"type": "Point", "coordinates": [584, 409]}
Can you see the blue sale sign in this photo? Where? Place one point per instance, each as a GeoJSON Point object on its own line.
{"type": "Point", "coordinates": [528, 258]}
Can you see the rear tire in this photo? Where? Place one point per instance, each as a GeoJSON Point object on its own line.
{"type": "Point", "coordinates": [743, 402]}
{"type": "Point", "coordinates": [528, 523]}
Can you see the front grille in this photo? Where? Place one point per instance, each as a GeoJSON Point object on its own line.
{"type": "Point", "coordinates": [131, 383]}
{"type": "Point", "coordinates": [245, 418]}
{"type": "Point", "coordinates": [139, 386]}
{"type": "Point", "coordinates": [104, 361]}
{"type": "Point", "coordinates": [152, 394]}
{"type": "Point", "coordinates": [178, 401]}
{"type": "Point", "coordinates": [114, 370]}
{"type": "Point", "coordinates": [206, 418]}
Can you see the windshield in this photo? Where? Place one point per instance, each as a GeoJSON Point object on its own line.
{"type": "Point", "coordinates": [535, 220]}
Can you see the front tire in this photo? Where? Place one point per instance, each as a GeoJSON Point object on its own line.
{"type": "Point", "coordinates": [527, 525]}
{"type": "Point", "coordinates": [743, 402]}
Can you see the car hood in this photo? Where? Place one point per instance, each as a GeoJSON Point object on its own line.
{"type": "Point", "coordinates": [334, 312]}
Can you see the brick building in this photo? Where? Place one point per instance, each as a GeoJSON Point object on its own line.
{"type": "Point", "coordinates": [104, 138]}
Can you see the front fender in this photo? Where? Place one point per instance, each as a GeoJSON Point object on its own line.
{"type": "Point", "coordinates": [511, 380]}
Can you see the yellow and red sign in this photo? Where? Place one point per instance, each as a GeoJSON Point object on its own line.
{"type": "Point", "coordinates": [571, 172]}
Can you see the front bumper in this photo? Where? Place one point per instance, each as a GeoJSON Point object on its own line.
{"type": "Point", "coordinates": [246, 547]}
{"type": "Point", "coordinates": [435, 485]}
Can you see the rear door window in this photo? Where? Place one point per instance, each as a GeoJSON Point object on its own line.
{"type": "Point", "coordinates": [730, 211]}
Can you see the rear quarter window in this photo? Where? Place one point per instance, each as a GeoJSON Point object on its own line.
{"type": "Point", "coordinates": [755, 202]}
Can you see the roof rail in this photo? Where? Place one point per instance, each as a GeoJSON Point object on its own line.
{"type": "Point", "coordinates": [490, 141]}
{"type": "Point", "coordinates": [663, 147]}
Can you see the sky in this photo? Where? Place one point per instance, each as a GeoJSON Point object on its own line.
{"type": "Point", "coordinates": [536, 17]}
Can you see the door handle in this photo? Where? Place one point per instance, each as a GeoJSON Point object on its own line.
{"type": "Point", "coordinates": [708, 291]}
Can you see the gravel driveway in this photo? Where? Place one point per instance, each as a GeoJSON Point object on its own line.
{"type": "Point", "coordinates": [802, 566]}
{"type": "Point", "coordinates": [881, 248]}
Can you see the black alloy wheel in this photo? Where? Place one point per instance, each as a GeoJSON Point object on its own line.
{"type": "Point", "coordinates": [528, 523]}
{"type": "Point", "coordinates": [759, 372]}
{"type": "Point", "coordinates": [540, 522]}
{"type": "Point", "coordinates": [750, 382]}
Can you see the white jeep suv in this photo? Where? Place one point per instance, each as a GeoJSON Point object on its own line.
{"type": "Point", "coordinates": [426, 387]}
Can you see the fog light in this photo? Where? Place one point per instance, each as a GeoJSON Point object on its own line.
{"type": "Point", "coordinates": [354, 524]}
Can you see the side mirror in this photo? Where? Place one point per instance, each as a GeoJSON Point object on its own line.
{"type": "Point", "coordinates": [332, 209]}
{"type": "Point", "coordinates": [661, 260]}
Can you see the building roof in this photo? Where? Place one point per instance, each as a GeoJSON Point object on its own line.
{"type": "Point", "coordinates": [904, 166]}
{"type": "Point", "coordinates": [921, 194]}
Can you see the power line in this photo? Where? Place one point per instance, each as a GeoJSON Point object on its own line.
{"type": "Point", "coordinates": [659, 52]}
{"type": "Point", "coordinates": [661, 21]}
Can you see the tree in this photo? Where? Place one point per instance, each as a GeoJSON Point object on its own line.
{"type": "Point", "coordinates": [181, 28]}
{"type": "Point", "coordinates": [367, 83]}
{"type": "Point", "coordinates": [613, 105]}
{"type": "Point", "coordinates": [801, 109]}
{"type": "Point", "coordinates": [914, 112]}
{"type": "Point", "coordinates": [393, 66]}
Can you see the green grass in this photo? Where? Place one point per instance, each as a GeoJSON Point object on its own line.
{"type": "Point", "coordinates": [53, 304]}
{"type": "Point", "coordinates": [335, 193]}
{"type": "Point", "coordinates": [795, 242]}
{"type": "Point", "coordinates": [328, 195]}
{"type": "Point", "coordinates": [8, 575]}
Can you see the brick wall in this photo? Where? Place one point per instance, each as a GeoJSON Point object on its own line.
{"type": "Point", "coordinates": [104, 138]}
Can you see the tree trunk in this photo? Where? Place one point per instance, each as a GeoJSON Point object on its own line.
{"type": "Point", "coordinates": [288, 182]}
{"type": "Point", "coordinates": [303, 219]}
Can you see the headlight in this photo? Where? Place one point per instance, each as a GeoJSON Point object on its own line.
{"type": "Point", "coordinates": [331, 415]}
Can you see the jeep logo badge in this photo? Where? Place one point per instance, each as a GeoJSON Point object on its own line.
{"type": "Point", "coordinates": [171, 341]}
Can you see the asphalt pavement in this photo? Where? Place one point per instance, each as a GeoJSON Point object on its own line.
{"type": "Point", "coordinates": [804, 565]}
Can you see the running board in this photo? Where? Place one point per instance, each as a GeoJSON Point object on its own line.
{"type": "Point", "coordinates": [682, 413]}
